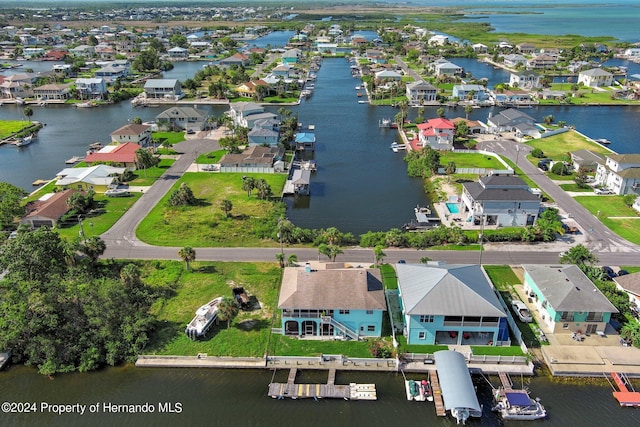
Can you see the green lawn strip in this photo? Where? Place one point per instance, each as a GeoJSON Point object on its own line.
{"type": "Point", "coordinates": [9, 127]}
{"type": "Point", "coordinates": [146, 177]}
{"type": "Point", "coordinates": [211, 157]}
{"type": "Point", "coordinates": [171, 137]}
{"type": "Point", "coordinates": [470, 160]}
{"type": "Point", "coordinates": [205, 224]}
{"type": "Point", "coordinates": [389, 277]}
{"type": "Point", "coordinates": [287, 346]}
{"type": "Point", "coordinates": [575, 188]}
{"type": "Point", "coordinates": [555, 177]}
{"type": "Point", "coordinates": [502, 277]}
{"type": "Point", "coordinates": [248, 333]}
{"type": "Point", "coordinates": [417, 348]}
{"type": "Point", "coordinates": [556, 147]}
{"type": "Point", "coordinates": [631, 268]}
{"type": "Point", "coordinates": [626, 228]}
{"type": "Point", "coordinates": [94, 225]}
{"type": "Point", "coordinates": [608, 206]}
{"type": "Point", "coordinates": [513, 350]}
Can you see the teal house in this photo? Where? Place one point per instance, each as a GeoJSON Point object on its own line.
{"type": "Point", "coordinates": [567, 300]}
{"type": "Point", "coordinates": [450, 304]}
{"type": "Point", "coordinates": [332, 300]}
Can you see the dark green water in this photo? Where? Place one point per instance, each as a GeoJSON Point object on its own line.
{"type": "Point", "coordinates": [212, 397]}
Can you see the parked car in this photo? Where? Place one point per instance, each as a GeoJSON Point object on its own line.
{"type": "Point", "coordinates": [209, 167]}
{"type": "Point", "coordinates": [521, 310]}
{"type": "Point", "coordinates": [609, 272]}
{"type": "Point", "coordinates": [544, 165]}
{"type": "Point", "coordinates": [602, 191]}
{"type": "Point", "coordinates": [191, 131]}
{"type": "Point", "coordinates": [622, 273]}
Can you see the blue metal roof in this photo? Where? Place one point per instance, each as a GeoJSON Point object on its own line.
{"type": "Point", "coordinates": [455, 381]}
{"type": "Point", "coordinates": [518, 399]}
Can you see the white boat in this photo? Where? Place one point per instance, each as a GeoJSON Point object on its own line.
{"type": "Point", "coordinates": [395, 147]}
{"type": "Point", "coordinates": [203, 320]}
{"type": "Point", "coordinates": [87, 104]}
{"type": "Point", "coordinates": [517, 405]}
{"type": "Point", "coordinates": [384, 123]}
{"type": "Point", "coordinates": [117, 192]}
{"type": "Point", "coordinates": [358, 87]}
{"type": "Point", "coordinates": [603, 141]}
{"type": "Point", "coordinates": [25, 141]}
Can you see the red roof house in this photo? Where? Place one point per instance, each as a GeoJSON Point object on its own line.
{"type": "Point", "coordinates": [123, 155]}
{"type": "Point", "coordinates": [437, 133]}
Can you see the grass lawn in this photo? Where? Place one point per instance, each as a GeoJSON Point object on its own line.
{"type": "Point", "coordinates": [97, 224]}
{"type": "Point", "coordinates": [613, 206]}
{"type": "Point", "coordinates": [248, 334]}
{"type": "Point", "coordinates": [205, 224]}
{"type": "Point", "coordinates": [149, 176]}
{"type": "Point", "coordinates": [286, 346]}
{"type": "Point", "coordinates": [171, 137]}
{"type": "Point", "coordinates": [212, 157]}
{"type": "Point", "coordinates": [626, 228]}
{"type": "Point", "coordinates": [389, 277]}
{"type": "Point", "coordinates": [482, 350]}
{"type": "Point", "coordinates": [502, 276]}
{"type": "Point", "coordinates": [418, 348]}
{"type": "Point", "coordinates": [575, 188]}
{"type": "Point", "coordinates": [556, 147]}
{"type": "Point", "coordinates": [470, 160]}
{"type": "Point", "coordinates": [9, 127]}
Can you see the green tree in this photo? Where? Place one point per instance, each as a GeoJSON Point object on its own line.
{"type": "Point", "coordinates": [631, 331]}
{"type": "Point", "coordinates": [461, 129]}
{"type": "Point", "coordinates": [280, 258]}
{"type": "Point", "coordinates": [537, 153]}
{"type": "Point", "coordinates": [227, 310]}
{"type": "Point", "coordinates": [136, 121]}
{"type": "Point", "coordinates": [11, 205]}
{"type": "Point", "coordinates": [188, 255]}
{"type": "Point", "coordinates": [34, 256]}
{"type": "Point", "coordinates": [450, 169]}
{"type": "Point", "coordinates": [580, 256]}
{"type": "Point", "coordinates": [93, 247]}
{"type": "Point", "coordinates": [292, 260]}
{"type": "Point", "coordinates": [264, 189]}
{"type": "Point", "coordinates": [28, 112]}
{"type": "Point", "coordinates": [146, 159]}
{"type": "Point", "coordinates": [226, 207]}
{"type": "Point", "coordinates": [179, 40]}
{"type": "Point", "coordinates": [560, 168]}
{"type": "Point", "coordinates": [581, 178]}
{"type": "Point", "coordinates": [440, 112]}
{"type": "Point", "coordinates": [467, 110]}
{"type": "Point", "coordinates": [379, 254]}
{"type": "Point", "coordinates": [182, 196]}
{"type": "Point", "coordinates": [147, 60]}
{"type": "Point", "coordinates": [330, 251]}
{"type": "Point", "coordinates": [248, 184]}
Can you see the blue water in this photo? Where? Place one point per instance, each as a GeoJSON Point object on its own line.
{"type": "Point", "coordinates": [453, 208]}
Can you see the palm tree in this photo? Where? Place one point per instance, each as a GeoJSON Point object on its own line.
{"type": "Point", "coordinates": [93, 247]}
{"type": "Point", "coordinates": [227, 310]}
{"type": "Point", "coordinates": [248, 184]}
{"type": "Point", "coordinates": [188, 254]}
{"type": "Point", "coordinates": [280, 258]}
{"type": "Point", "coordinates": [467, 109]}
{"type": "Point", "coordinates": [226, 207]}
{"type": "Point", "coordinates": [292, 260]}
{"type": "Point", "coordinates": [378, 251]}
{"type": "Point", "coordinates": [28, 112]}
{"type": "Point", "coordinates": [331, 251]}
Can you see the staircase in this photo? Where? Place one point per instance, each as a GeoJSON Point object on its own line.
{"type": "Point", "coordinates": [340, 327]}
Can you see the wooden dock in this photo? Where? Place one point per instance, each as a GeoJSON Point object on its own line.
{"type": "Point", "coordinates": [320, 391]}
{"type": "Point", "coordinates": [507, 385]}
{"type": "Point", "coordinates": [437, 393]}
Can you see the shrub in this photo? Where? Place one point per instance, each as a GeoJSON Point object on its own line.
{"type": "Point", "coordinates": [537, 153]}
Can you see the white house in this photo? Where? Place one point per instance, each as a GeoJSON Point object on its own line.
{"type": "Point", "coordinates": [437, 133]}
{"type": "Point", "coordinates": [595, 77]}
{"type": "Point", "coordinates": [620, 173]}
{"type": "Point", "coordinates": [420, 92]}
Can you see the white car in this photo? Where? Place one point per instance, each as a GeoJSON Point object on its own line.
{"type": "Point", "coordinates": [602, 191]}
{"type": "Point", "coordinates": [209, 167]}
{"type": "Point", "coordinates": [521, 311]}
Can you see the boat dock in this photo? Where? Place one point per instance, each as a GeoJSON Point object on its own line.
{"type": "Point", "coordinates": [329, 390]}
{"type": "Point", "coordinates": [437, 393]}
{"type": "Point", "coordinates": [627, 396]}
{"type": "Point", "coordinates": [507, 385]}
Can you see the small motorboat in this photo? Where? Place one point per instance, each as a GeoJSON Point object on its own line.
{"type": "Point", "coordinates": [25, 141]}
{"type": "Point", "coordinates": [603, 141]}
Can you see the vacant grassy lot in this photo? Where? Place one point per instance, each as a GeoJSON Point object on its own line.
{"type": "Point", "coordinates": [502, 276]}
{"type": "Point", "coordinates": [470, 160]}
{"type": "Point", "coordinates": [556, 147]}
{"type": "Point", "coordinates": [148, 176]}
{"type": "Point", "coordinates": [186, 291]}
{"type": "Point", "coordinates": [205, 224]}
{"type": "Point", "coordinates": [9, 127]}
{"type": "Point", "coordinates": [168, 137]}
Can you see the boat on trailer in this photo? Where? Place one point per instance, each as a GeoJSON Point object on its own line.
{"type": "Point", "coordinates": [203, 320]}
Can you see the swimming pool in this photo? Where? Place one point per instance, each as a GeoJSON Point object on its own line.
{"type": "Point", "coordinates": [453, 208]}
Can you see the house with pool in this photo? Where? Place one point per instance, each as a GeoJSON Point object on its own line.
{"type": "Point", "coordinates": [568, 302]}
{"type": "Point", "coordinates": [450, 304]}
{"type": "Point", "coordinates": [332, 300]}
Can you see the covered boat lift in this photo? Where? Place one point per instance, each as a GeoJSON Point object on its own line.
{"type": "Point", "coordinates": [458, 391]}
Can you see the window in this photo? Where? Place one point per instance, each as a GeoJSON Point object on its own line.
{"type": "Point", "coordinates": [371, 328]}
{"type": "Point", "coordinates": [344, 311]}
{"type": "Point", "coordinates": [426, 318]}
{"type": "Point", "coordinates": [369, 311]}
{"type": "Point", "coordinates": [422, 335]}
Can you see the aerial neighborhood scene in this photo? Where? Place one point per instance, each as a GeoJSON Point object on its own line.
{"type": "Point", "coordinates": [395, 201]}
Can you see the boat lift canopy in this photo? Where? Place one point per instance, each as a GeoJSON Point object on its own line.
{"type": "Point", "coordinates": [455, 381]}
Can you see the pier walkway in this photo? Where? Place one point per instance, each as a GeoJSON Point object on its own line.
{"type": "Point", "coordinates": [437, 393]}
{"type": "Point", "coordinates": [319, 391]}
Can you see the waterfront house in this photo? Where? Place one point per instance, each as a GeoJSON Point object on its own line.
{"type": "Point", "coordinates": [442, 67]}
{"type": "Point", "coordinates": [526, 48]}
{"type": "Point", "coordinates": [111, 72]}
{"type": "Point", "coordinates": [586, 159]}
{"type": "Point", "coordinates": [58, 92]}
{"type": "Point", "coordinates": [595, 77]}
{"type": "Point", "coordinates": [630, 283]}
{"type": "Point", "coordinates": [91, 88]}
{"type": "Point", "coordinates": [388, 76]}
{"type": "Point", "coordinates": [450, 304]}
{"type": "Point", "coordinates": [566, 299]}
{"type": "Point", "coordinates": [248, 89]}
{"type": "Point", "coordinates": [512, 97]}
{"type": "Point", "coordinates": [438, 40]}
{"type": "Point", "coordinates": [184, 118]}
{"type": "Point", "coordinates": [83, 50]}
{"type": "Point", "coordinates": [420, 93]}
{"type": "Point", "coordinates": [47, 211]}
{"type": "Point", "coordinates": [525, 80]}
{"type": "Point", "coordinates": [263, 136]}
{"type": "Point", "coordinates": [473, 126]}
{"type": "Point", "coordinates": [120, 155]}
{"type": "Point", "coordinates": [163, 89]}
{"type": "Point", "coordinates": [305, 141]}
{"type": "Point", "coordinates": [506, 120]}
{"type": "Point", "coordinates": [236, 59]}
{"type": "Point", "coordinates": [291, 56]}
{"type": "Point", "coordinates": [333, 300]}
{"type": "Point", "coordinates": [436, 133]}
{"type": "Point", "coordinates": [620, 173]}
{"type": "Point", "coordinates": [246, 114]}
{"type": "Point", "coordinates": [98, 178]}
{"type": "Point", "coordinates": [542, 62]}
{"type": "Point", "coordinates": [480, 48]}
{"type": "Point", "coordinates": [178, 53]}
{"type": "Point", "coordinates": [132, 132]}
{"type": "Point", "coordinates": [513, 60]}
{"type": "Point", "coordinates": [477, 93]}
{"type": "Point", "coordinates": [255, 159]}
{"type": "Point", "coordinates": [504, 201]}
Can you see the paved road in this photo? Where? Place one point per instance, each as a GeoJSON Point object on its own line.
{"type": "Point", "coordinates": [122, 243]}
{"type": "Point", "coordinates": [598, 237]}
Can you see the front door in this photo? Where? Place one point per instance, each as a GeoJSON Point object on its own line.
{"type": "Point", "coordinates": [591, 328]}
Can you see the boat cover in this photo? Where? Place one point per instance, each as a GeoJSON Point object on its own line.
{"type": "Point", "coordinates": [518, 399]}
{"type": "Point", "coordinates": [455, 381]}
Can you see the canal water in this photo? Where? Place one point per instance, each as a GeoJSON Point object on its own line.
{"type": "Point", "coordinates": [215, 397]}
